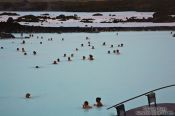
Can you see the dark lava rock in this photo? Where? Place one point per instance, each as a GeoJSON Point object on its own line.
{"type": "Point", "coordinates": [62, 17]}
{"type": "Point", "coordinates": [9, 14]}
{"type": "Point", "coordinates": [87, 20]}
{"type": "Point", "coordinates": [4, 35]}
{"type": "Point", "coordinates": [97, 14]}
{"type": "Point", "coordinates": [28, 18]}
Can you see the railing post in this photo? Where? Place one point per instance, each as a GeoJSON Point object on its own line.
{"type": "Point", "coordinates": [121, 110]}
{"type": "Point", "coordinates": [151, 99]}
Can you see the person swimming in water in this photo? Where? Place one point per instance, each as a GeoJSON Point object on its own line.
{"type": "Point", "coordinates": [84, 58]}
{"type": "Point", "coordinates": [69, 59]}
{"type": "Point", "coordinates": [86, 105]}
{"type": "Point", "coordinates": [28, 95]}
{"type": "Point", "coordinates": [64, 55]}
{"type": "Point", "coordinates": [54, 62]}
{"type": "Point", "coordinates": [104, 43]}
{"type": "Point", "coordinates": [98, 102]}
{"type": "Point", "coordinates": [91, 57]}
{"type": "Point", "coordinates": [34, 52]}
{"type": "Point", "coordinates": [72, 55]}
{"type": "Point", "coordinates": [93, 47]}
{"type": "Point", "coordinates": [118, 52]}
{"type": "Point", "coordinates": [58, 60]}
{"type": "Point", "coordinates": [23, 50]}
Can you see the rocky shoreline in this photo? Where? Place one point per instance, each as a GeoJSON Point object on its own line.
{"type": "Point", "coordinates": [87, 5]}
{"type": "Point", "coordinates": [4, 35]}
{"type": "Point", "coordinates": [17, 28]}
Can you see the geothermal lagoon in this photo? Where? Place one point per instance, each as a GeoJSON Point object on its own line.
{"type": "Point", "coordinates": [145, 62]}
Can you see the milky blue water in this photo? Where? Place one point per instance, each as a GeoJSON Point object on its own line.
{"type": "Point", "coordinates": [146, 62]}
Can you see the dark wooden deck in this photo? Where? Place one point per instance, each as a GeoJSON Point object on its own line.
{"type": "Point", "coordinates": [163, 109]}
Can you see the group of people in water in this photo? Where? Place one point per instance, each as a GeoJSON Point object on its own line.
{"type": "Point", "coordinates": [69, 58]}
{"type": "Point", "coordinates": [84, 106]}
{"type": "Point", "coordinates": [98, 104]}
{"type": "Point", "coordinates": [24, 51]}
{"type": "Point", "coordinates": [91, 57]}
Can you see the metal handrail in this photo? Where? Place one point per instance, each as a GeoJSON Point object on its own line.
{"type": "Point", "coordinates": [141, 95]}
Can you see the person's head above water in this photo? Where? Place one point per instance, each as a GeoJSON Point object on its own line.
{"type": "Point", "coordinates": [98, 102]}
{"type": "Point", "coordinates": [86, 105]}
{"type": "Point", "coordinates": [98, 99]}
{"type": "Point", "coordinates": [28, 95]}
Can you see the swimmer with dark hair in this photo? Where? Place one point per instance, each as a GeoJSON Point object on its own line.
{"type": "Point", "coordinates": [91, 57]}
{"type": "Point", "coordinates": [34, 52]}
{"type": "Point", "coordinates": [55, 62]}
{"type": "Point", "coordinates": [28, 95]}
{"type": "Point", "coordinates": [64, 55]}
{"type": "Point", "coordinates": [86, 105]}
{"type": "Point", "coordinates": [84, 57]}
{"type": "Point", "coordinates": [23, 50]}
{"type": "Point", "coordinates": [58, 60]}
{"type": "Point", "coordinates": [118, 52]}
{"type": "Point", "coordinates": [72, 55]}
{"type": "Point", "coordinates": [93, 47]}
{"type": "Point", "coordinates": [25, 53]}
{"type": "Point", "coordinates": [104, 43]}
{"type": "Point", "coordinates": [98, 102]}
{"type": "Point", "coordinates": [69, 59]}
{"type": "Point", "coordinates": [36, 66]}
{"type": "Point", "coordinates": [23, 42]}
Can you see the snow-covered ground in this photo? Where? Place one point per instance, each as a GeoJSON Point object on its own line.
{"type": "Point", "coordinates": [107, 16]}
{"type": "Point", "coordinates": [146, 62]}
